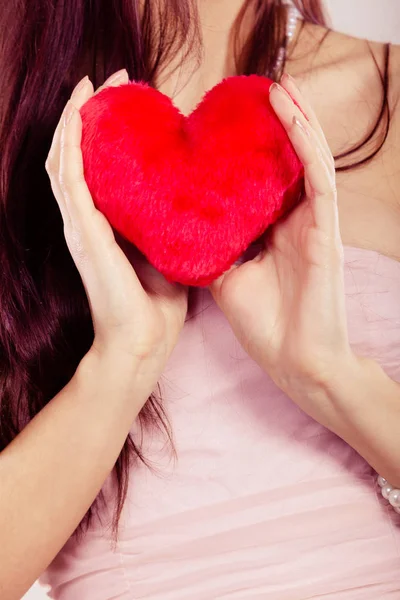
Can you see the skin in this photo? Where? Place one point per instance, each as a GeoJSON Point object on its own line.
{"type": "Point", "coordinates": [299, 273]}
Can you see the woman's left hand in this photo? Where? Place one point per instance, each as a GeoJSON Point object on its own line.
{"type": "Point", "coordinates": [287, 306]}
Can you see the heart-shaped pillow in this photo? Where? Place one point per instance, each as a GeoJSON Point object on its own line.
{"type": "Point", "coordinates": [191, 193]}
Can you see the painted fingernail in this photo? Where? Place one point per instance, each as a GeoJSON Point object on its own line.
{"type": "Point", "coordinates": [297, 122]}
{"type": "Point", "coordinates": [279, 88]}
{"type": "Point", "coordinates": [69, 112]}
{"type": "Point", "coordinates": [80, 85]}
{"type": "Point", "coordinates": [116, 76]}
{"type": "Point", "coordinates": [287, 77]}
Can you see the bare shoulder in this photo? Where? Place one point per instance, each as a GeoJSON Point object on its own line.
{"type": "Point", "coordinates": [321, 51]}
{"type": "Point", "coordinates": [343, 76]}
{"type": "Point", "coordinates": [326, 47]}
{"type": "Point", "coordinates": [344, 79]}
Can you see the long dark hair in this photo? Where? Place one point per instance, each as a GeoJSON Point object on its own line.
{"type": "Point", "coordinates": [45, 48]}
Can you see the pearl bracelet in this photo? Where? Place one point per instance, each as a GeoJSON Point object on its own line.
{"type": "Point", "coordinates": [390, 493]}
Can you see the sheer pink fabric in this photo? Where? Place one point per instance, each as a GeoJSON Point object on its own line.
{"type": "Point", "coordinates": [262, 502]}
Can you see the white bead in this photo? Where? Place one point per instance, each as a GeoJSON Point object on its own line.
{"type": "Point", "coordinates": [382, 481]}
{"type": "Point", "coordinates": [394, 498]}
{"type": "Point", "coordinates": [386, 491]}
{"type": "Point", "coordinates": [291, 24]}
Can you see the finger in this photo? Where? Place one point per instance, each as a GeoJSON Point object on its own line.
{"type": "Point", "coordinates": [318, 175]}
{"type": "Point", "coordinates": [79, 96]}
{"type": "Point", "coordinates": [118, 78]}
{"type": "Point", "coordinates": [319, 182]}
{"type": "Point", "coordinates": [82, 92]}
{"type": "Point", "coordinates": [215, 286]}
{"type": "Point", "coordinates": [72, 182]}
{"type": "Point", "coordinates": [289, 84]}
{"type": "Point", "coordinates": [94, 247]}
{"type": "Point", "coordinates": [285, 109]}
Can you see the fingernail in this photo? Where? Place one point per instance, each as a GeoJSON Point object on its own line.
{"type": "Point", "coordinates": [279, 88]}
{"type": "Point", "coordinates": [297, 122]}
{"type": "Point", "coordinates": [287, 77]}
{"type": "Point", "coordinates": [116, 76]}
{"type": "Point", "coordinates": [69, 112]}
{"type": "Point", "coordinates": [80, 85]}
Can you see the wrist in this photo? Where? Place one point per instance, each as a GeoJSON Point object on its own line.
{"type": "Point", "coordinates": [322, 390]}
{"type": "Point", "coordinates": [356, 382]}
{"type": "Point", "coordinates": [347, 380]}
{"type": "Point", "coordinates": [120, 375]}
{"type": "Point", "coordinates": [365, 405]}
{"type": "Point", "coordinates": [342, 392]}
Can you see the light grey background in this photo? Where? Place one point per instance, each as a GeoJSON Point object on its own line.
{"type": "Point", "coordinates": [373, 19]}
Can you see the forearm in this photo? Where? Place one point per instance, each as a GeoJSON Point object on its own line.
{"type": "Point", "coordinates": [365, 411]}
{"type": "Point", "coordinates": [53, 470]}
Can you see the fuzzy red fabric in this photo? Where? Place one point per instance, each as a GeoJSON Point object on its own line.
{"type": "Point", "coordinates": [193, 192]}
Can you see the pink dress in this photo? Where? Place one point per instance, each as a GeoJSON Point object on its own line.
{"type": "Point", "coordinates": [262, 502]}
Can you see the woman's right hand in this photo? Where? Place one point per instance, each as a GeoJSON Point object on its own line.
{"type": "Point", "coordinates": [136, 313]}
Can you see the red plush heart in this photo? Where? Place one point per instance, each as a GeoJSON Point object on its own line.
{"type": "Point", "coordinates": [193, 192]}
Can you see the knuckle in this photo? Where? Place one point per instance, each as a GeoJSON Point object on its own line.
{"type": "Point", "coordinates": [50, 165]}
{"type": "Point", "coordinates": [76, 244]}
{"type": "Point", "coordinates": [338, 253]}
{"type": "Point", "coordinates": [68, 144]}
{"type": "Point", "coordinates": [67, 186]}
{"type": "Point", "coordinates": [319, 155]}
{"type": "Point", "coordinates": [79, 177]}
{"type": "Point", "coordinates": [67, 229]}
{"type": "Point", "coordinates": [71, 184]}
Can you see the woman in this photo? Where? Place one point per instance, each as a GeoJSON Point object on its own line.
{"type": "Point", "coordinates": [278, 384]}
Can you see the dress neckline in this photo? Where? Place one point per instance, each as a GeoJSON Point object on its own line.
{"type": "Point", "coordinates": [348, 249]}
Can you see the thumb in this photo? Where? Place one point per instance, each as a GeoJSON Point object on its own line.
{"type": "Point", "coordinates": [216, 286]}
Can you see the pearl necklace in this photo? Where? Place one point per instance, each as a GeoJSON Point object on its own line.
{"type": "Point", "coordinates": [389, 493]}
{"type": "Point", "coordinates": [290, 31]}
